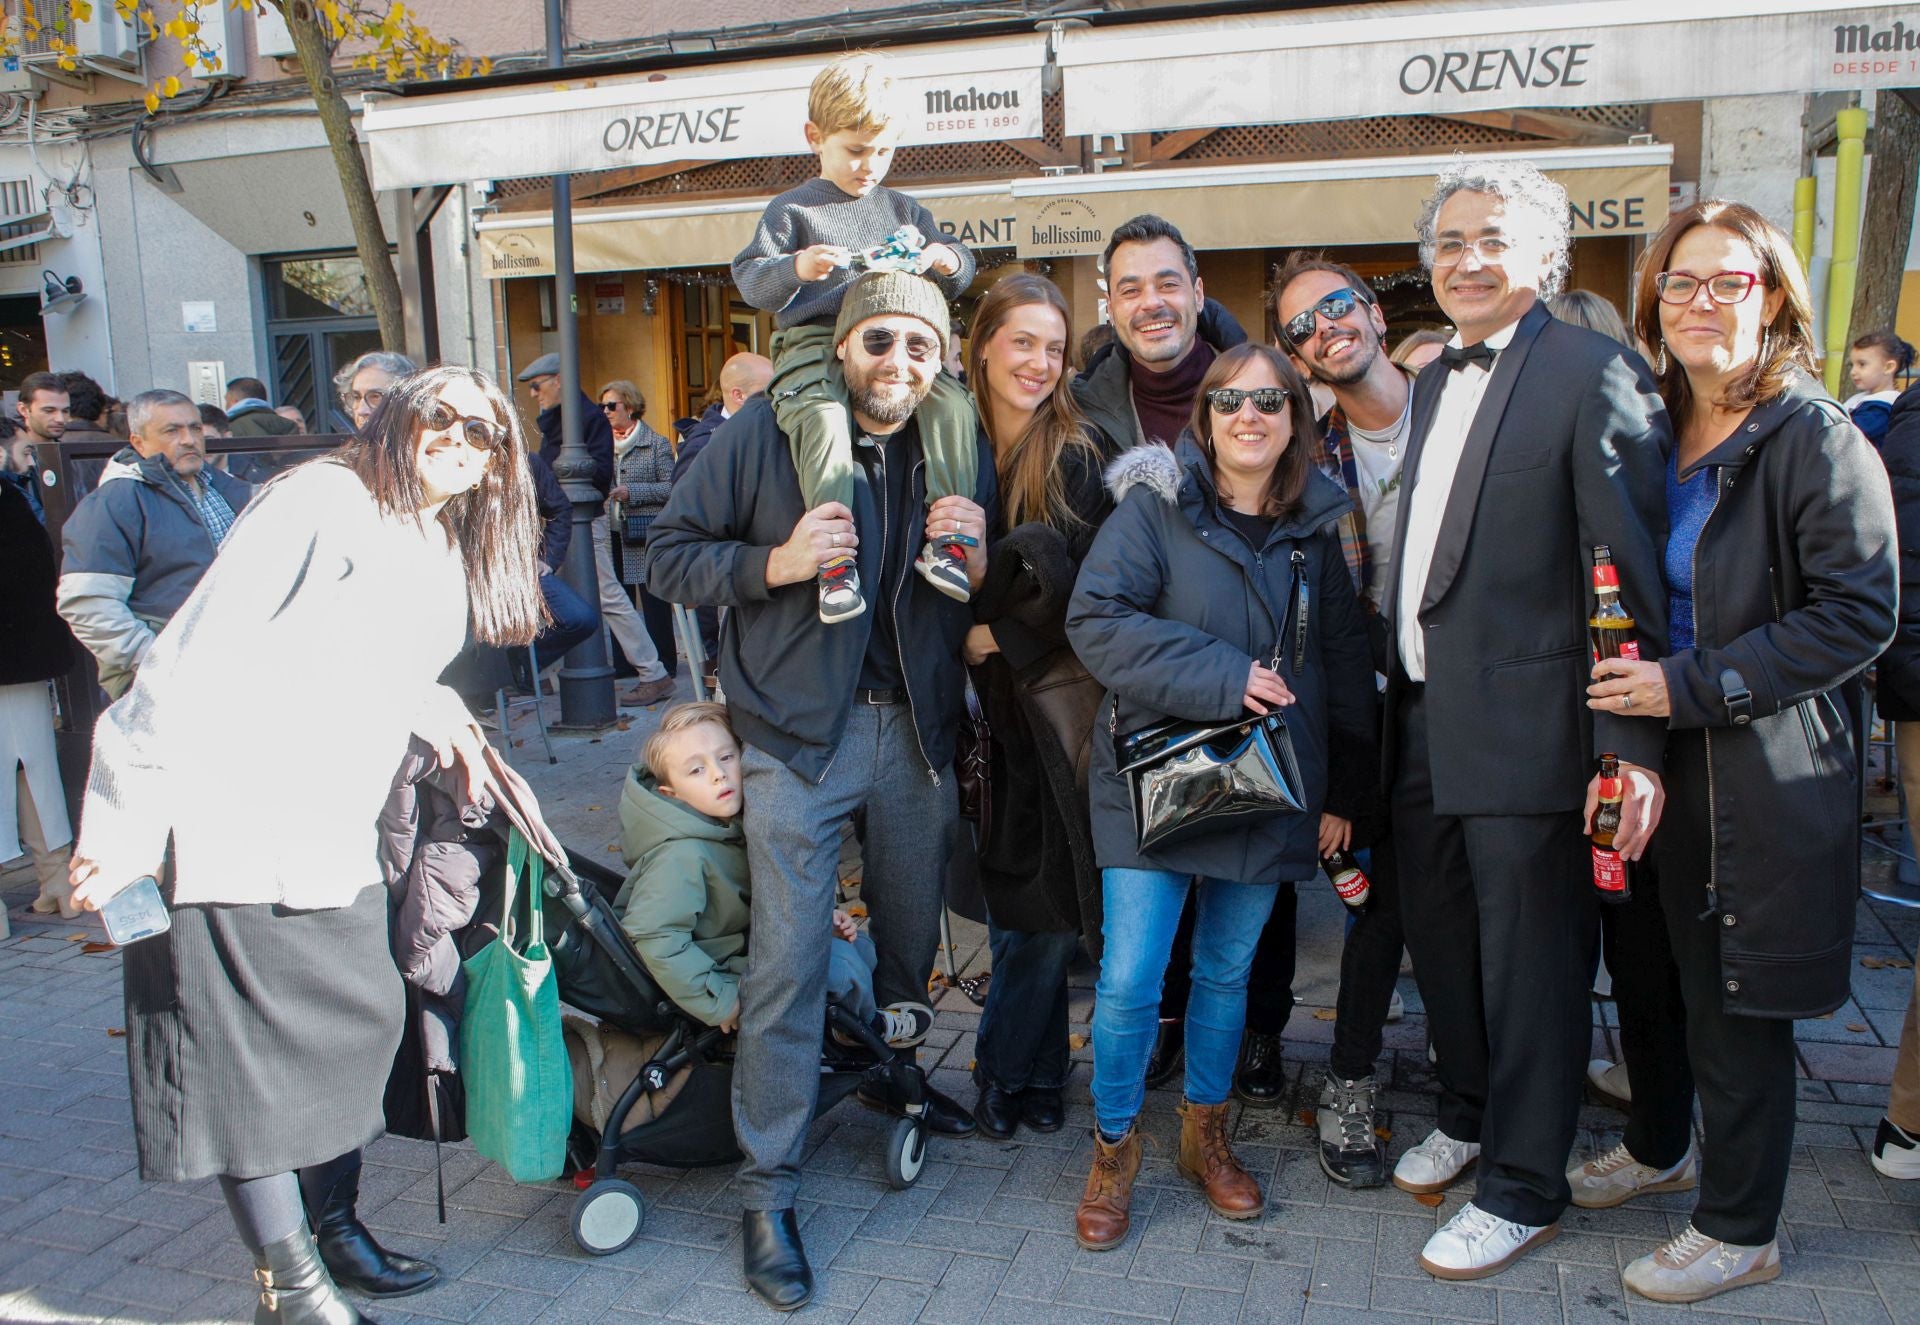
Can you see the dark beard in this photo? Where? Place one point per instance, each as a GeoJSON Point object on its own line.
{"type": "Point", "coordinates": [886, 409]}
{"type": "Point", "coordinates": [1353, 370]}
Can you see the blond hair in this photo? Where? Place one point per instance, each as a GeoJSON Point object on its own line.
{"type": "Point", "coordinates": [854, 92]}
{"type": "Point", "coordinates": [680, 718]}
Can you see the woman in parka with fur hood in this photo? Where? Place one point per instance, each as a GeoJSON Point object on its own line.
{"type": "Point", "coordinates": [1214, 590]}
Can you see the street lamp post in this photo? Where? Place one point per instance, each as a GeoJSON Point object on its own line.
{"type": "Point", "coordinates": [586, 675]}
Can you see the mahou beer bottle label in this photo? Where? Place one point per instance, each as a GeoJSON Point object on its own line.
{"type": "Point", "coordinates": [1611, 628]}
{"type": "Point", "coordinates": [1609, 871]}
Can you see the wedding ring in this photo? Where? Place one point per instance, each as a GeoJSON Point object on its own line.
{"type": "Point", "coordinates": [835, 540]}
{"type": "Point", "coordinates": [1626, 701]}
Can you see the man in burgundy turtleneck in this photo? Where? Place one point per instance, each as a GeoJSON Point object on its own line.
{"type": "Point", "coordinates": [1156, 301]}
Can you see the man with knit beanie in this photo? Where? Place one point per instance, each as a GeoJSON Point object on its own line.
{"type": "Point", "coordinates": [835, 719]}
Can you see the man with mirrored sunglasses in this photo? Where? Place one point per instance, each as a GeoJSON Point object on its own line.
{"type": "Point", "coordinates": [834, 718]}
{"type": "Point", "coordinates": [1333, 326]}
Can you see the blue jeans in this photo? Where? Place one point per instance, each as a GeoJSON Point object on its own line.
{"type": "Point", "coordinates": [1022, 1042]}
{"type": "Point", "coordinates": [1142, 912]}
{"type": "Point", "coordinates": [574, 619]}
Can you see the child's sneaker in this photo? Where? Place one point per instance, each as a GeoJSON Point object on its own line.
{"type": "Point", "coordinates": [903, 1025]}
{"type": "Point", "coordinates": [944, 566]}
{"type": "Point", "coordinates": [840, 598]}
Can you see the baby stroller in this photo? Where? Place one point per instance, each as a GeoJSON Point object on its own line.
{"type": "Point", "coordinates": [599, 973]}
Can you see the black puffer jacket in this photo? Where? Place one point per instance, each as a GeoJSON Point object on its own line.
{"type": "Point", "coordinates": [1899, 691]}
{"type": "Point", "coordinates": [35, 644]}
{"type": "Point", "coordinates": [432, 855]}
{"type": "Point", "coordinates": [1795, 581]}
{"type": "Point", "coordinates": [1172, 609]}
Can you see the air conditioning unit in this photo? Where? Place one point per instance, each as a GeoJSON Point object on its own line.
{"type": "Point", "coordinates": [103, 35]}
{"type": "Point", "coordinates": [270, 35]}
{"type": "Point", "coordinates": [223, 34]}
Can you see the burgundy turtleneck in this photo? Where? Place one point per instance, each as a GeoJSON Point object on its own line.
{"type": "Point", "coordinates": [1164, 401]}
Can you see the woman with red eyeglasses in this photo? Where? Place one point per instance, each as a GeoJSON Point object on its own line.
{"type": "Point", "coordinates": [1782, 577]}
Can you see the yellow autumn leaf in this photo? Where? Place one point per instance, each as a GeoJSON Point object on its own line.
{"type": "Point", "coordinates": [189, 57]}
{"type": "Point", "coordinates": [170, 87]}
{"type": "Point", "coordinates": [486, 66]}
{"type": "Point", "coordinates": [81, 10]}
{"type": "Point", "coordinates": [68, 63]}
{"type": "Point", "coordinates": [176, 27]}
{"type": "Point", "coordinates": [466, 68]}
{"type": "Point", "coordinates": [153, 103]}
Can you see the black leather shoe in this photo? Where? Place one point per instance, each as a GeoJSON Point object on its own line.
{"type": "Point", "coordinates": [331, 1193]}
{"type": "Point", "coordinates": [946, 1116]}
{"type": "Point", "coordinates": [1261, 1078]}
{"type": "Point", "coordinates": [1042, 1110]}
{"type": "Point", "coordinates": [776, 1263]}
{"type": "Point", "coordinates": [1168, 1050]}
{"type": "Point", "coordinates": [295, 1288]}
{"type": "Point", "coordinates": [997, 1112]}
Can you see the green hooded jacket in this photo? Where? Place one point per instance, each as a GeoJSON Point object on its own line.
{"type": "Point", "coordinates": [685, 901]}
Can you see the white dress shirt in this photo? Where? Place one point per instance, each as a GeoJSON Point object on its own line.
{"type": "Point", "coordinates": [1425, 507]}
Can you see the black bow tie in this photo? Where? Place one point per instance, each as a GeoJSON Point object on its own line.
{"type": "Point", "coordinates": [1457, 357]}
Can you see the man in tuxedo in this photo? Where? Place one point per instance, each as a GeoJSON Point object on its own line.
{"type": "Point", "coordinates": [1532, 442]}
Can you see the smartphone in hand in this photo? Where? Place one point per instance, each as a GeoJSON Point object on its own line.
{"type": "Point", "coordinates": [135, 913]}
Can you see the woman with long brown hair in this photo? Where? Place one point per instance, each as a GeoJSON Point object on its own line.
{"type": "Point", "coordinates": [262, 1024]}
{"type": "Point", "coordinates": [1782, 574]}
{"type": "Point", "coordinates": [1216, 590]}
{"type": "Point", "coordinates": [1036, 851]}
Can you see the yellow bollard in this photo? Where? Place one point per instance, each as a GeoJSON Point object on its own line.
{"type": "Point", "coordinates": [1852, 127]}
{"type": "Point", "coordinates": [1805, 196]}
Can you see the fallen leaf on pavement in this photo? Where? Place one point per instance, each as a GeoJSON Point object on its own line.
{"type": "Point", "coordinates": [1384, 1133]}
{"type": "Point", "coordinates": [96, 947]}
{"type": "Point", "coordinates": [613, 846]}
{"type": "Point", "coordinates": [592, 808]}
{"type": "Point", "coordinates": [1324, 1014]}
{"type": "Point", "coordinates": [625, 725]}
{"type": "Point", "coordinates": [117, 1032]}
{"type": "Point", "coordinates": [1076, 1042]}
{"type": "Point", "coordinates": [1856, 1028]}
{"type": "Point", "coordinates": [1304, 1117]}
{"type": "Point", "coordinates": [1873, 963]}
{"type": "Point", "coordinates": [79, 937]}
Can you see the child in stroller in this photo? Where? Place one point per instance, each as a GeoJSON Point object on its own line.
{"type": "Point", "coordinates": [661, 959]}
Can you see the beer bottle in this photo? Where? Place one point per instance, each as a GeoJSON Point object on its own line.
{"type": "Point", "coordinates": [1349, 880]}
{"type": "Point", "coordinates": [1610, 632]}
{"type": "Point", "coordinates": [1610, 876]}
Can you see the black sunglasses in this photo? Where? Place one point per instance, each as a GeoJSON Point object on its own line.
{"type": "Point", "coordinates": [879, 343]}
{"type": "Point", "coordinates": [1266, 399]}
{"type": "Point", "coordinates": [611, 405]}
{"type": "Point", "coordinates": [480, 434]}
{"type": "Point", "coordinates": [1335, 306]}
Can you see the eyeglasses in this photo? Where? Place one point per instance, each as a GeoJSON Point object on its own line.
{"type": "Point", "coordinates": [480, 434]}
{"type": "Point", "coordinates": [1266, 399]}
{"type": "Point", "coordinates": [1335, 306]}
{"type": "Point", "coordinates": [1723, 287]}
{"type": "Point", "coordinates": [878, 341]}
{"type": "Point", "coordinates": [1487, 248]}
{"type": "Point", "coordinates": [371, 399]}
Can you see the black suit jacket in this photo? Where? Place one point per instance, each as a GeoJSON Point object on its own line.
{"type": "Point", "coordinates": [1568, 450]}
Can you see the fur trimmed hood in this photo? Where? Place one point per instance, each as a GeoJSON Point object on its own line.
{"type": "Point", "coordinates": [1152, 465]}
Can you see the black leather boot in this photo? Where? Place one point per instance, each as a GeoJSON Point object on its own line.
{"type": "Point", "coordinates": [295, 1288]}
{"type": "Point", "coordinates": [1041, 1109]}
{"type": "Point", "coordinates": [775, 1262]}
{"type": "Point", "coordinates": [997, 1111]}
{"type": "Point", "coordinates": [1261, 1077]}
{"type": "Point", "coordinates": [331, 1192]}
{"type": "Point", "coordinates": [1169, 1045]}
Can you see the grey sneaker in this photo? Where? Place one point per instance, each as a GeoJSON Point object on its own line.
{"type": "Point", "coordinates": [944, 566]}
{"type": "Point", "coordinates": [1617, 1177]}
{"type": "Point", "coordinates": [1694, 1267]}
{"type": "Point", "coordinates": [1350, 1149]}
{"type": "Point", "coordinates": [840, 598]}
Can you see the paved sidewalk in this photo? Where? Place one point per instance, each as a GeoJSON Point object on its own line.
{"type": "Point", "coordinates": [984, 1237]}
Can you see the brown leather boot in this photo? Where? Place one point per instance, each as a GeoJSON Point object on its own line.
{"type": "Point", "coordinates": [1206, 1157]}
{"type": "Point", "coordinates": [1101, 1221]}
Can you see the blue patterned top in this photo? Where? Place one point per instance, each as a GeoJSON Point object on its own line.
{"type": "Point", "coordinates": [1688, 506]}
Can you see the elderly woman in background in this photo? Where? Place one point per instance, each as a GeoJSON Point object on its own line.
{"type": "Point", "coordinates": [1419, 349]}
{"type": "Point", "coordinates": [1584, 308]}
{"type": "Point", "coordinates": [262, 1025]}
{"type": "Point", "coordinates": [642, 477]}
{"type": "Point", "coordinates": [1782, 577]}
{"type": "Point", "coordinates": [363, 384]}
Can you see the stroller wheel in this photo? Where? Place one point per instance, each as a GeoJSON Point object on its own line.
{"type": "Point", "coordinates": [607, 1216]}
{"type": "Point", "coordinates": [906, 1153]}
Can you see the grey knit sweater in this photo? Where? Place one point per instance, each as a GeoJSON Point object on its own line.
{"type": "Point", "coordinates": [817, 212]}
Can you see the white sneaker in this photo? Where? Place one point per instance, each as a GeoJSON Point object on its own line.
{"type": "Point", "coordinates": [1694, 1267]}
{"type": "Point", "coordinates": [1896, 1151]}
{"type": "Point", "coordinates": [1435, 1164]}
{"type": "Point", "coordinates": [1609, 1080]}
{"type": "Point", "coordinates": [1617, 1177]}
{"type": "Point", "coordinates": [1396, 1008]}
{"type": "Point", "coordinates": [1474, 1244]}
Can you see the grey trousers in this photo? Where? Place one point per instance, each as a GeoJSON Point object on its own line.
{"type": "Point", "coordinates": [793, 852]}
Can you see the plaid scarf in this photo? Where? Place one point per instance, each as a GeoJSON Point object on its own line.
{"type": "Point", "coordinates": [1336, 461]}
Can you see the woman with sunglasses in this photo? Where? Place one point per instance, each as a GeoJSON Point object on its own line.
{"type": "Point", "coordinates": [1035, 846]}
{"type": "Point", "coordinates": [262, 1024]}
{"type": "Point", "coordinates": [1782, 575]}
{"type": "Point", "coordinates": [1214, 591]}
{"type": "Point", "coordinates": [642, 478]}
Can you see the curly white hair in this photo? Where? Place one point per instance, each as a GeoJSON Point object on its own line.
{"type": "Point", "coordinates": [1537, 208]}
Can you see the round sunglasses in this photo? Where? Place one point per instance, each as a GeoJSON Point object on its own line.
{"type": "Point", "coordinates": [480, 434]}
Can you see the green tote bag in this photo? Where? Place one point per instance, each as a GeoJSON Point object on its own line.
{"type": "Point", "coordinates": [513, 1061]}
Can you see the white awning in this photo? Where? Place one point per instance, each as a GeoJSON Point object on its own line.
{"type": "Point", "coordinates": [1372, 200]}
{"type": "Point", "coordinates": [1446, 58]}
{"type": "Point", "coordinates": [965, 91]}
{"type": "Point", "coordinates": [706, 234]}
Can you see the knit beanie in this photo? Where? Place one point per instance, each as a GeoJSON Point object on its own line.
{"type": "Point", "coordinates": [881, 293]}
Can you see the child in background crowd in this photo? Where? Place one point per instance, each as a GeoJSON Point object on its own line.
{"type": "Point", "coordinates": [1877, 363]}
{"type": "Point", "coordinates": [798, 266]}
{"type": "Point", "coordinates": [685, 901]}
